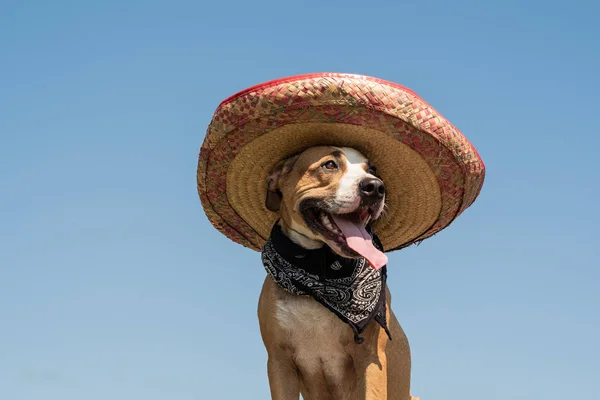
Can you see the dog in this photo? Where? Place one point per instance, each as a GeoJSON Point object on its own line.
{"type": "Point", "coordinates": [310, 350]}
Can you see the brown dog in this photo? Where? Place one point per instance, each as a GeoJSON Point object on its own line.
{"type": "Point", "coordinates": [310, 350]}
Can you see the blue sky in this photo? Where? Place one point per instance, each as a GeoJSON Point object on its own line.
{"type": "Point", "coordinates": [113, 284]}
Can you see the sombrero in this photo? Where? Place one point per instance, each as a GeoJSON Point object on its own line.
{"type": "Point", "coordinates": [431, 171]}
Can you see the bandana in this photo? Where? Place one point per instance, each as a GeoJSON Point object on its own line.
{"type": "Point", "coordinates": [350, 288]}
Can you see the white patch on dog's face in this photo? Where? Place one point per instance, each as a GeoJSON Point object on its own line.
{"type": "Point", "coordinates": [347, 193]}
{"type": "Point", "coordinates": [356, 170]}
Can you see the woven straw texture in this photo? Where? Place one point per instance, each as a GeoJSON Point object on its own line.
{"type": "Point", "coordinates": [431, 171]}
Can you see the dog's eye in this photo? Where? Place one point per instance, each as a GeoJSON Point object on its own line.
{"type": "Point", "coordinates": [372, 170]}
{"type": "Point", "coordinates": [330, 165]}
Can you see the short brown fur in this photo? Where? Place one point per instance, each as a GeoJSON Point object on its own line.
{"type": "Point", "coordinates": [310, 350]}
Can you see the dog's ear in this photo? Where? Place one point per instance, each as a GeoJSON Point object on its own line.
{"type": "Point", "coordinates": [273, 201]}
{"type": "Point", "coordinates": [274, 196]}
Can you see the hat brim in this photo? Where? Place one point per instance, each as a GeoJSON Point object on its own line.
{"type": "Point", "coordinates": [431, 171]}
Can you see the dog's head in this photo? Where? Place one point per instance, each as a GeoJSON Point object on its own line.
{"type": "Point", "coordinates": [328, 195]}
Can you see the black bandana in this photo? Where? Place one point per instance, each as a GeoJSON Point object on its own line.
{"type": "Point", "coordinates": [350, 288]}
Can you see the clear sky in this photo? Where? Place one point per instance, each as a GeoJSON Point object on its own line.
{"type": "Point", "coordinates": [114, 285]}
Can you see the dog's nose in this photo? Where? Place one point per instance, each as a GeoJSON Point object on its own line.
{"type": "Point", "coordinates": [372, 188]}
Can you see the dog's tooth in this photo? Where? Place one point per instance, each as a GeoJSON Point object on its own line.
{"type": "Point", "coordinates": [325, 221]}
{"type": "Point", "coordinates": [328, 223]}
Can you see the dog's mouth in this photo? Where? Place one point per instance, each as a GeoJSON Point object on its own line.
{"type": "Point", "coordinates": [325, 222]}
{"type": "Point", "coordinates": [346, 233]}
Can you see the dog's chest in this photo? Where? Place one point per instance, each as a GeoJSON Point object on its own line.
{"type": "Point", "coordinates": [320, 345]}
{"type": "Point", "coordinates": [310, 324]}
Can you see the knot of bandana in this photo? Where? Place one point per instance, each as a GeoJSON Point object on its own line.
{"type": "Point", "coordinates": [350, 288]}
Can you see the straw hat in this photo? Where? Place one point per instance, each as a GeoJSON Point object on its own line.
{"type": "Point", "coordinates": [432, 173]}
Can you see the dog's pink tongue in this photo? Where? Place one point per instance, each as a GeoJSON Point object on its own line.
{"type": "Point", "coordinates": [359, 240]}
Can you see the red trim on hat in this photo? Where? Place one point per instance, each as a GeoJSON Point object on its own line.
{"type": "Point", "coordinates": [314, 75]}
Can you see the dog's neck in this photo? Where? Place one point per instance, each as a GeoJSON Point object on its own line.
{"type": "Point", "coordinates": [295, 235]}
